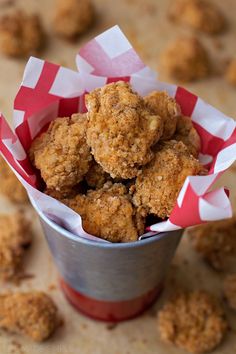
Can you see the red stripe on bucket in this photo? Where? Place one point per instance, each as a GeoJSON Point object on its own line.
{"type": "Point", "coordinates": [110, 311]}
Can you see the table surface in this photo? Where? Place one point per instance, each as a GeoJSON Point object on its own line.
{"type": "Point", "coordinates": [146, 25]}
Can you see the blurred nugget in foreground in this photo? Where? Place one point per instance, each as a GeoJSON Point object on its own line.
{"type": "Point", "coordinates": [21, 34]}
{"type": "Point", "coordinates": [72, 17]}
{"type": "Point", "coordinates": [185, 59]}
{"type": "Point", "coordinates": [215, 242]}
{"type": "Point", "coordinates": [201, 15]}
{"type": "Point", "coordinates": [9, 184]}
{"type": "Point", "coordinates": [33, 314]}
{"type": "Point", "coordinates": [193, 321]}
{"type": "Point", "coordinates": [15, 237]}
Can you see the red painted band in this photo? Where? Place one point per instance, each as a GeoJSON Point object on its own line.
{"type": "Point", "coordinates": [110, 311]}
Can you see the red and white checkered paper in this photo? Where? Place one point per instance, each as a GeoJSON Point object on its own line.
{"type": "Point", "coordinates": [48, 91]}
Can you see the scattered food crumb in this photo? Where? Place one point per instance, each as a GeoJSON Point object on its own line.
{"type": "Point", "coordinates": [111, 326]}
{"type": "Point", "coordinates": [230, 74]}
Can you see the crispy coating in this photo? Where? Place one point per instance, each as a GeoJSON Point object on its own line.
{"type": "Point", "coordinates": [185, 59]}
{"type": "Point", "coordinates": [230, 73]}
{"type": "Point", "coordinates": [193, 321]}
{"type": "Point", "coordinates": [15, 237]}
{"type": "Point", "coordinates": [73, 17]}
{"type": "Point", "coordinates": [186, 133]}
{"type": "Point", "coordinates": [230, 290]}
{"type": "Point", "coordinates": [167, 108]}
{"type": "Point", "coordinates": [158, 185]}
{"type": "Point", "coordinates": [61, 153]}
{"type": "Point", "coordinates": [21, 34]}
{"type": "Point", "coordinates": [121, 129]}
{"type": "Point", "coordinates": [108, 213]}
{"type": "Point", "coordinates": [215, 242]}
{"type": "Point", "coordinates": [10, 185]}
{"type": "Point", "coordinates": [33, 314]}
{"type": "Point", "coordinates": [202, 15]}
{"type": "Point", "coordinates": [96, 177]}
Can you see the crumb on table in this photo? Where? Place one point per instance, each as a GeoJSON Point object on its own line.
{"type": "Point", "coordinates": [230, 73]}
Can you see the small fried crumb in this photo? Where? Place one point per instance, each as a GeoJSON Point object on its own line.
{"type": "Point", "coordinates": [185, 59]}
{"type": "Point", "coordinates": [61, 153]}
{"type": "Point", "coordinates": [108, 213]}
{"type": "Point", "coordinates": [15, 237]}
{"type": "Point", "coordinates": [33, 314]}
{"type": "Point", "coordinates": [186, 133]}
{"type": "Point", "coordinates": [158, 185]}
{"type": "Point", "coordinates": [215, 241]}
{"type": "Point", "coordinates": [201, 15]}
{"type": "Point", "coordinates": [194, 321]}
{"type": "Point", "coordinates": [73, 17]}
{"type": "Point", "coordinates": [167, 108]}
{"type": "Point", "coordinates": [230, 73]}
{"type": "Point", "coordinates": [21, 34]}
{"type": "Point", "coordinates": [96, 177]}
{"type": "Point", "coordinates": [10, 185]}
{"type": "Point", "coordinates": [230, 290]}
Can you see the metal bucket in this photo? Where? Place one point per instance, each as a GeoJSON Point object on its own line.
{"type": "Point", "coordinates": [110, 281]}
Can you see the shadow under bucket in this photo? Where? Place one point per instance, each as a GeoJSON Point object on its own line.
{"type": "Point", "coordinates": [110, 281]}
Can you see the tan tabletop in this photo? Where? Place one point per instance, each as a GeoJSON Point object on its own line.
{"type": "Point", "coordinates": [145, 24]}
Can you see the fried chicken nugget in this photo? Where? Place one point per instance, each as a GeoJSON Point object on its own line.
{"type": "Point", "coordinates": [194, 321]}
{"type": "Point", "coordinates": [61, 153]}
{"type": "Point", "coordinates": [108, 213]}
{"type": "Point", "coordinates": [32, 313]}
{"type": "Point", "coordinates": [186, 133]}
{"type": "Point", "coordinates": [202, 15]}
{"type": "Point", "coordinates": [73, 17]}
{"type": "Point", "coordinates": [158, 185]}
{"type": "Point", "coordinates": [21, 34]}
{"type": "Point", "coordinates": [96, 177]}
{"type": "Point", "coordinates": [215, 241]}
{"type": "Point", "coordinates": [10, 185]}
{"type": "Point", "coordinates": [185, 59]}
{"type": "Point", "coordinates": [121, 129]}
{"type": "Point", "coordinates": [230, 290]}
{"type": "Point", "coordinates": [167, 108]}
{"type": "Point", "coordinates": [15, 237]}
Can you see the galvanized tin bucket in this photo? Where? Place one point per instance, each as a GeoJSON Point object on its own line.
{"type": "Point", "coordinates": [110, 282]}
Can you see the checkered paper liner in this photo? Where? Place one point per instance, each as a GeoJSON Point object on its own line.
{"type": "Point", "coordinates": [49, 91]}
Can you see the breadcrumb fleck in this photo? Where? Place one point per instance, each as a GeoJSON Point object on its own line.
{"type": "Point", "coordinates": [185, 59]}
{"type": "Point", "coordinates": [21, 34]}
{"type": "Point", "coordinates": [230, 73]}
{"type": "Point", "coordinates": [194, 321]}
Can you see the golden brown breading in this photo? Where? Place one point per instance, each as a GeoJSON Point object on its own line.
{"type": "Point", "coordinates": [186, 133]}
{"type": "Point", "coordinates": [215, 241]}
{"type": "Point", "coordinates": [73, 17]}
{"type": "Point", "coordinates": [121, 129]}
{"type": "Point", "coordinates": [202, 15]}
{"type": "Point", "coordinates": [108, 213]}
{"type": "Point", "coordinates": [230, 74]}
{"type": "Point", "coordinates": [158, 185]}
{"type": "Point", "coordinates": [230, 290]}
{"type": "Point", "coordinates": [167, 108]}
{"type": "Point", "coordinates": [10, 185]}
{"type": "Point", "coordinates": [96, 176]}
{"type": "Point", "coordinates": [33, 314]}
{"type": "Point", "coordinates": [21, 34]}
{"type": "Point", "coordinates": [185, 59]}
{"type": "Point", "coordinates": [61, 153]}
{"type": "Point", "coordinates": [15, 237]}
{"type": "Point", "coordinates": [193, 321]}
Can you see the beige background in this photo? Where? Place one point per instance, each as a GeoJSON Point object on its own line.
{"type": "Point", "coordinates": [145, 24]}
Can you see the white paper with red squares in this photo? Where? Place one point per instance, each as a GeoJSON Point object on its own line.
{"type": "Point", "coordinates": [49, 91]}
